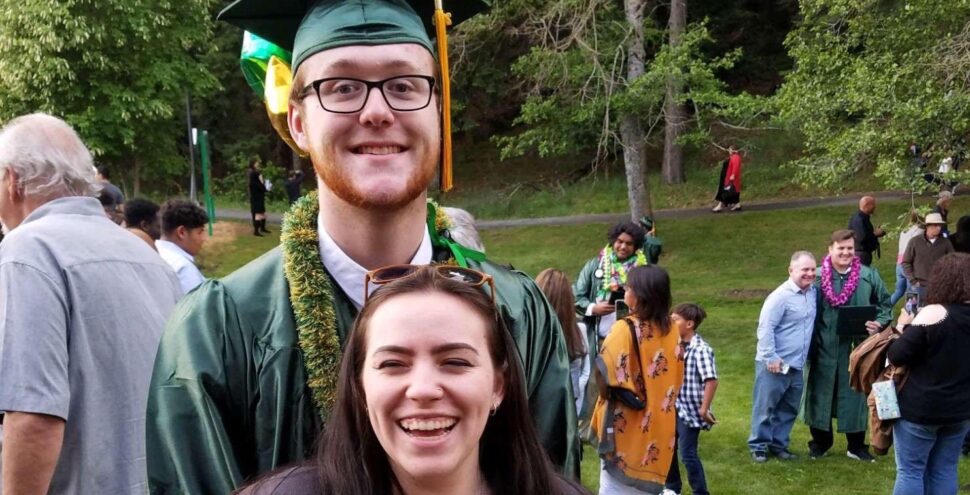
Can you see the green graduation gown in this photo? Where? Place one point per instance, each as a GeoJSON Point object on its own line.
{"type": "Point", "coordinates": [584, 292]}
{"type": "Point", "coordinates": [229, 400]}
{"type": "Point", "coordinates": [827, 391]}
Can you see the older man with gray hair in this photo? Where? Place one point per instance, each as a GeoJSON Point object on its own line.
{"type": "Point", "coordinates": [784, 336]}
{"type": "Point", "coordinates": [82, 307]}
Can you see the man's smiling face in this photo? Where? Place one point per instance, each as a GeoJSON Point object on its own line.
{"type": "Point", "coordinates": [377, 158]}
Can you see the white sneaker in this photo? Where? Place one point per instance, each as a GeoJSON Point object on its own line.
{"type": "Point", "coordinates": [668, 491]}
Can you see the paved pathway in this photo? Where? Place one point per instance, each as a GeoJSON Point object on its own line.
{"type": "Point", "coordinates": [616, 217]}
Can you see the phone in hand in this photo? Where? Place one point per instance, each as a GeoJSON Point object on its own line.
{"type": "Point", "coordinates": [912, 304]}
{"type": "Point", "coordinates": [622, 310]}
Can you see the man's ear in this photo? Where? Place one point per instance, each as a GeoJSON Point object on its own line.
{"type": "Point", "coordinates": [297, 125]}
{"type": "Point", "coordinates": [11, 182]}
{"type": "Point", "coordinates": [181, 233]}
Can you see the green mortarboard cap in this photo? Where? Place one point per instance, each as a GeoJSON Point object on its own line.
{"type": "Point", "coordinates": [310, 26]}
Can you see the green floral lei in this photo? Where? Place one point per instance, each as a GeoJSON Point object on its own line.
{"type": "Point", "coordinates": [614, 270]}
{"type": "Point", "coordinates": [311, 293]}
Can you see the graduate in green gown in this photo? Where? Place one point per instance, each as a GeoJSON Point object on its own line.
{"type": "Point", "coordinates": [842, 281]}
{"type": "Point", "coordinates": [246, 370]}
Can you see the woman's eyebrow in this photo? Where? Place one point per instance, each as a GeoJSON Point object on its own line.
{"type": "Point", "coordinates": [455, 346]}
{"type": "Point", "coordinates": [438, 349]}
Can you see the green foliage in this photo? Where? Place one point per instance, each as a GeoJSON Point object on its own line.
{"type": "Point", "coordinates": [117, 70]}
{"type": "Point", "coordinates": [239, 129]}
{"type": "Point", "coordinates": [234, 185]}
{"type": "Point", "coordinates": [579, 88]}
{"type": "Point", "coordinates": [866, 84]}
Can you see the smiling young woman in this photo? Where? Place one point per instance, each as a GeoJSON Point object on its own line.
{"type": "Point", "coordinates": [430, 400]}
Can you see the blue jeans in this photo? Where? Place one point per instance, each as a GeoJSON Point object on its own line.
{"type": "Point", "coordinates": [901, 285]}
{"type": "Point", "coordinates": [687, 447]}
{"type": "Point", "coordinates": [926, 457]}
{"type": "Point", "coordinates": [774, 408]}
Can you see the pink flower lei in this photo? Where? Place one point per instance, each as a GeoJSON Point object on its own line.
{"type": "Point", "coordinates": [836, 300]}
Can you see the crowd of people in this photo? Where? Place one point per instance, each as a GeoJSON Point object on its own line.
{"type": "Point", "coordinates": [655, 393]}
{"type": "Point", "coordinates": [343, 363]}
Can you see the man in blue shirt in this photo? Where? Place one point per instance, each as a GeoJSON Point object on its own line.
{"type": "Point", "coordinates": [784, 335]}
{"type": "Point", "coordinates": [82, 307]}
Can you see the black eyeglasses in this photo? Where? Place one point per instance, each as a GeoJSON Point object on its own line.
{"type": "Point", "coordinates": [391, 273]}
{"type": "Point", "coordinates": [348, 95]}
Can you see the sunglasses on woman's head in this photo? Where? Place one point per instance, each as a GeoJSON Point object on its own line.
{"type": "Point", "coordinates": [391, 273]}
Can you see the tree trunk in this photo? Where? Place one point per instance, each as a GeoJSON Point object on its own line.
{"type": "Point", "coordinates": [674, 113]}
{"type": "Point", "coordinates": [631, 132]}
{"type": "Point", "coordinates": [631, 137]}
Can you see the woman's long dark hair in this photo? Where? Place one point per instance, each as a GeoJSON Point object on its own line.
{"type": "Point", "coordinates": [651, 287]}
{"type": "Point", "coordinates": [554, 284]}
{"type": "Point", "coordinates": [949, 280]}
{"type": "Point", "coordinates": [350, 459]}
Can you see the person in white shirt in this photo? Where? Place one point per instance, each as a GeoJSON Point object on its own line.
{"type": "Point", "coordinates": [183, 234]}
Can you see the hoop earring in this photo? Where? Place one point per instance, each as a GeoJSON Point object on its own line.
{"type": "Point", "coordinates": [494, 409]}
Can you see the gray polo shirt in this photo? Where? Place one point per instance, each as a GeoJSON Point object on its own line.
{"type": "Point", "coordinates": [82, 307]}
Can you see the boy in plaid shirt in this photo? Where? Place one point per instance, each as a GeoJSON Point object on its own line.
{"type": "Point", "coordinates": [695, 397]}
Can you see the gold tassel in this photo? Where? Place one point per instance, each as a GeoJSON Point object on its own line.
{"type": "Point", "coordinates": [441, 21]}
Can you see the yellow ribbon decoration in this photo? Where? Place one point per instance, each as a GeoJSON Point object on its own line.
{"type": "Point", "coordinates": [441, 21]}
{"type": "Point", "coordinates": [279, 82]}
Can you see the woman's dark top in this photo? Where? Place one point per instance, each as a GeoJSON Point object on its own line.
{"type": "Point", "coordinates": [257, 193]}
{"type": "Point", "coordinates": [961, 240]}
{"type": "Point", "coordinates": [937, 389]}
{"type": "Point", "coordinates": [303, 480]}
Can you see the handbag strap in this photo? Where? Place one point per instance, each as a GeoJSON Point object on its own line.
{"type": "Point", "coordinates": [636, 350]}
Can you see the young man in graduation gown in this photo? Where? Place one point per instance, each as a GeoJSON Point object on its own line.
{"type": "Point", "coordinates": [602, 278]}
{"type": "Point", "coordinates": [842, 281]}
{"type": "Point", "coordinates": [247, 368]}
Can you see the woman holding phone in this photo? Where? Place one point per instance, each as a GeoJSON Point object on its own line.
{"type": "Point", "coordinates": [431, 399]}
{"type": "Point", "coordinates": [639, 372]}
{"type": "Point", "coordinates": [933, 401]}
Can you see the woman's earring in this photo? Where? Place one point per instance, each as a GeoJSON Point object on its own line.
{"type": "Point", "coordinates": [494, 409]}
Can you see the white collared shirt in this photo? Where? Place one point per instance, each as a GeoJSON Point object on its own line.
{"type": "Point", "coordinates": [348, 274]}
{"type": "Point", "coordinates": [182, 262]}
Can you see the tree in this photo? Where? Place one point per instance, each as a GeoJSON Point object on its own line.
{"type": "Point", "coordinates": [674, 111]}
{"type": "Point", "coordinates": [595, 79]}
{"type": "Point", "coordinates": [870, 78]}
{"type": "Point", "coordinates": [631, 134]}
{"type": "Point", "coordinates": [117, 70]}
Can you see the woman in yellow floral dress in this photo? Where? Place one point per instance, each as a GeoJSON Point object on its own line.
{"type": "Point", "coordinates": [640, 369]}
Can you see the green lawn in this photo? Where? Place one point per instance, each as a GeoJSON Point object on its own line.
{"type": "Point", "coordinates": [240, 246]}
{"type": "Point", "coordinates": [727, 263]}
